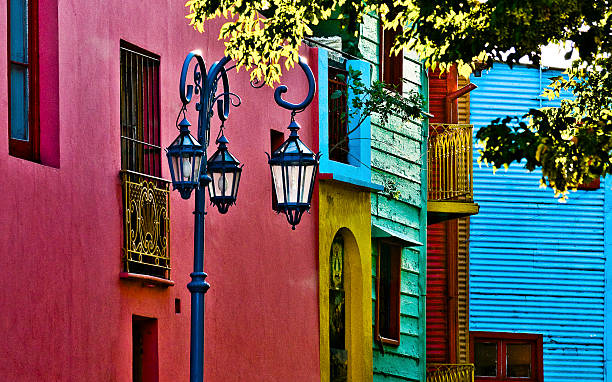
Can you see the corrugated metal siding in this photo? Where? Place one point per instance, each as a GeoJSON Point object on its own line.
{"type": "Point", "coordinates": [437, 294]}
{"type": "Point", "coordinates": [463, 279]}
{"type": "Point", "coordinates": [536, 265]}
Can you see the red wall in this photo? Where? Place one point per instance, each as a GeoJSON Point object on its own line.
{"type": "Point", "coordinates": [66, 315]}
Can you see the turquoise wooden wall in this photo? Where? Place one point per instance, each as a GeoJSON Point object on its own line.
{"type": "Point", "coordinates": [537, 265]}
{"type": "Point", "coordinates": [398, 163]}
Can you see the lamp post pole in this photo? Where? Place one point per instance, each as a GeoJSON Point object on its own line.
{"type": "Point", "coordinates": [293, 168]}
{"type": "Point", "coordinates": [206, 86]}
{"type": "Point", "coordinates": [198, 287]}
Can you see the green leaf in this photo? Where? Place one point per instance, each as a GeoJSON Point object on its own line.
{"type": "Point", "coordinates": [336, 94]}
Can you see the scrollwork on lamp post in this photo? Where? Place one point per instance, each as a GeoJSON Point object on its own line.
{"type": "Point", "coordinates": [293, 167]}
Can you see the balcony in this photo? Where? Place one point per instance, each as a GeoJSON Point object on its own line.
{"type": "Point", "coordinates": [439, 372]}
{"type": "Point", "coordinates": [146, 228]}
{"type": "Point", "coordinates": [450, 175]}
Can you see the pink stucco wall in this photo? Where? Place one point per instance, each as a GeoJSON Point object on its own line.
{"type": "Point", "coordinates": [64, 313]}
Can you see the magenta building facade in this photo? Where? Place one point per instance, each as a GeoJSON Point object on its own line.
{"type": "Point", "coordinates": [67, 315]}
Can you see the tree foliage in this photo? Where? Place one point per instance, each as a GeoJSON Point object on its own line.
{"type": "Point", "coordinates": [571, 143]}
{"type": "Point", "coordinates": [376, 98]}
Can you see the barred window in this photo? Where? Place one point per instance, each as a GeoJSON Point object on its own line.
{"type": "Point", "coordinates": [338, 116]}
{"type": "Point", "coordinates": [145, 193]}
{"type": "Point", "coordinates": [140, 142]}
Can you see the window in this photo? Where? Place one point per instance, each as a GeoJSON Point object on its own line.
{"type": "Point", "coordinates": [145, 359]}
{"type": "Point", "coordinates": [350, 160]}
{"type": "Point", "coordinates": [506, 356]}
{"type": "Point", "coordinates": [23, 78]}
{"type": "Point", "coordinates": [277, 138]}
{"type": "Point", "coordinates": [388, 282]}
{"type": "Point", "coordinates": [391, 66]}
{"type": "Point", "coordinates": [140, 138]}
{"type": "Point", "coordinates": [338, 115]}
{"type": "Point", "coordinates": [145, 193]}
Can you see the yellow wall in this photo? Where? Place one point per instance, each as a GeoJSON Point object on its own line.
{"type": "Point", "coordinates": [346, 209]}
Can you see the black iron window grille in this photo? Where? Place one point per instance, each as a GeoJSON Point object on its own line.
{"type": "Point", "coordinates": [145, 194]}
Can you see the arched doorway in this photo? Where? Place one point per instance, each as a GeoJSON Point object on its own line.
{"type": "Point", "coordinates": [342, 312]}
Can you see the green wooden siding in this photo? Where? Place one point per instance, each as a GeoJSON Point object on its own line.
{"type": "Point", "coordinates": [398, 160]}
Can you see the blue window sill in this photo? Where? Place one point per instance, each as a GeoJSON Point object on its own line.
{"type": "Point", "coordinates": [348, 180]}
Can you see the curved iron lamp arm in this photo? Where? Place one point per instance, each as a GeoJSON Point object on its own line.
{"type": "Point", "coordinates": [208, 89]}
{"type": "Point", "coordinates": [299, 107]}
{"type": "Point", "coordinates": [205, 84]}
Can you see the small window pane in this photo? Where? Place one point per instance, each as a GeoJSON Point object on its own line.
{"type": "Point", "coordinates": [518, 360]}
{"type": "Point", "coordinates": [485, 359]}
{"type": "Point", "coordinates": [337, 118]}
{"type": "Point", "coordinates": [19, 103]}
{"type": "Point", "coordinates": [19, 30]}
{"type": "Point", "coordinates": [388, 291]}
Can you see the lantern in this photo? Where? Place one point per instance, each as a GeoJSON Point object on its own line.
{"type": "Point", "coordinates": [184, 157]}
{"type": "Point", "coordinates": [224, 170]}
{"type": "Point", "coordinates": [294, 167]}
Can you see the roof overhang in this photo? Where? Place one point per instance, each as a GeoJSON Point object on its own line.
{"type": "Point", "coordinates": [379, 231]}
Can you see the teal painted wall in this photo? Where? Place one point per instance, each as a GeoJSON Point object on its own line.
{"type": "Point", "coordinates": [399, 162]}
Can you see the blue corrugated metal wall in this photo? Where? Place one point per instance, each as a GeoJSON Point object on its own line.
{"type": "Point", "coordinates": [536, 265]}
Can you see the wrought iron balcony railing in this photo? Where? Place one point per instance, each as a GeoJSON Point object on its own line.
{"type": "Point", "coordinates": [441, 372]}
{"type": "Point", "coordinates": [146, 224]}
{"type": "Point", "coordinates": [449, 163]}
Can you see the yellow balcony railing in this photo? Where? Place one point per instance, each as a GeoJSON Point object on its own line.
{"type": "Point", "coordinates": [440, 372]}
{"type": "Point", "coordinates": [449, 162]}
{"type": "Point", "coordinates": [146, 224]}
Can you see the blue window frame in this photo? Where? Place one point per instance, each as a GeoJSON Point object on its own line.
{"type": "Point", "coordinates": [23, 78]}
{"type": "Point", "coordinates": [354, 165]}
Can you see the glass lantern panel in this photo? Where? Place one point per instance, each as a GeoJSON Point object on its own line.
{"type": "Point", "coordinates": [293, 178]}
{"type": "Point", "coordinates": [186, 164]}
{"type": "Point", "coordinates": [277, 179]}
{"type": "Point", "coordinates": [176, 168]}
{"type": "Point", "coordinates": [305, 183]}
{"type": "Point", "coordinates": [211, 189]}
{"type": "Point", "coordinates": [223, 183]}
{"type": "Point", "coordinates": [236, 183]}
{"type": "Point", "coordinates": [197, 160]}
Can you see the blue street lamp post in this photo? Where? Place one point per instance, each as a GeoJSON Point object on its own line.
{"type": "Point", "coordinates": [293, 167]}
